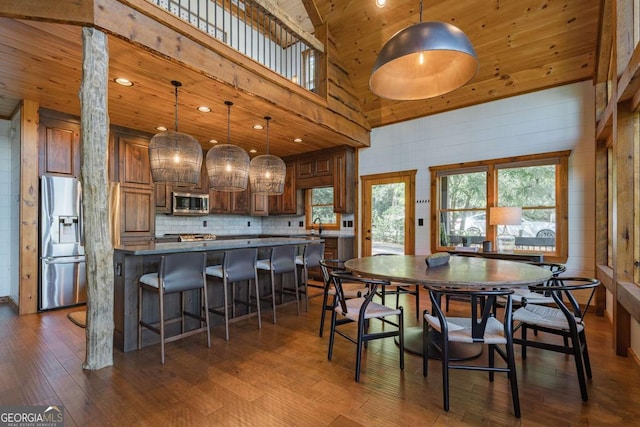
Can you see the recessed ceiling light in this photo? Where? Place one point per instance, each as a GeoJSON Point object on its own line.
{"type": "Point", "coordinates": [123, 82]}
{"type": "Point", "coordinates": [253, 151]}
{"type": "Point", "coordinates": [381, 3]}
{"type": "Point", "coordinates": [297, 139]}
{"type": "Point", "coordinates": [161, 128]}
{"type": "Point", "coordinates": [213, 141]}
{"type": "Point", "coordinates": [258, 127]}
{"type": "Point", "coordinates": [204, 109]}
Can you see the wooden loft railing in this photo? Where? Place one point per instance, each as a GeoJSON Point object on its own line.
{"type": "Point", "coordinates": [256, 32]}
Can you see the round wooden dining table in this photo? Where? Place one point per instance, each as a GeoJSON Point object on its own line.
{"type": "Point", "coordinates": [460, 271]}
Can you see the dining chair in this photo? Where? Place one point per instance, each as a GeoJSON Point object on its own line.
{"type": "Point", "coordinates": [349, 290]}
{"type": "Point", "coordinates": [237, 265]}
{"type": "Point", "coordinates": [282, 261]}
{"type": "Point", "coordinates": [565, 319]}
{"type": "Point", "coordinates": [310, 258]}
{"type": "Point", "coordinates": [537, 297]}
{"type": "Point", "coordinates": [360, 311]}
{"type": "Point", "coordinates": [440, 331]}
{"type": "Point", "coordinates": [178, 273]}
{"type": "Point", "coordinates": [398, 289]}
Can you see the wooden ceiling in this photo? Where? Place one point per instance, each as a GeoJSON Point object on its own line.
{"type": "Point", "coordinates": [522, 46]}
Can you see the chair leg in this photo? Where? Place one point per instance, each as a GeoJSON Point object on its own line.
{"type": "Point", "coordinates": [492, 360]}
{"type": "Point", "coordinates": [332, 332]}
{"type": "Point", "coordinates": [139, 317]}
{"type": "Point", "coordinates": [417, 302]}
{"type": "Point", "coordinates": [426, 342]}
{"type": "Point", "coordinates": [226, 308]}
{"type": "Point", "coordinates": [273, 296]}
{"type": "Point", "coordinates": [401, 337]}
{"type": "Point", "coordinates": [585, 354]}
{"type": "Point", "coordinates": [325, 298]}
{"type": "Point", "coordinates": [577, 354]}
{"type": "Point", "coordinates": [297, 291]}
{"type": "Point", "coordinates": [359, 344]}
{"type": "Point", "coordinates": [524, 342]}
{"type": "Point", "coordinates": [182, 312]}
{"type": "Point", "coordinates": [511, 363]}
{"type": "Point", "coordinates": [445, 373]}
{"type": "Point", "coordinates": [257, 300]}
{"type": "Point", "coordinates": [203, 296]}
{"type": "Point", "coordinates": [161, 325]}
{"type": "Point", "coordinates": [305, 284]}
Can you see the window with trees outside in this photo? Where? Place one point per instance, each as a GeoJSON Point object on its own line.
{"type": "Point", "coordinates": [319, 209]}
{"type": "Point", "coordinates": [463, 194]}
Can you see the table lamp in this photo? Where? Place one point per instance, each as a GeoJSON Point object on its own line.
{"type": "Point", "coordinates": [505, 216]}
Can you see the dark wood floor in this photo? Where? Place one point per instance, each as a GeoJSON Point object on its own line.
{"type": "Point", "coordinates": [280, 376]}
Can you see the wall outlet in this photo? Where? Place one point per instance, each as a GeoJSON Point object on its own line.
{"type": "Point", "coordinates": [301, 224]}
{"type": "Point", "coordinates": [248, 223]}
{"type": "Point", "coordinates": [350, 223]}
{"type": "Point", "coordinates": [420, 222]}
{"type": "Point", "coordinates": [204, 223]}
{"type": "Point", "coordinates": [289, 223]}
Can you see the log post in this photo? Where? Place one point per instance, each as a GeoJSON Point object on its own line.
{"type": "Point", "coordinates": [95, 187]}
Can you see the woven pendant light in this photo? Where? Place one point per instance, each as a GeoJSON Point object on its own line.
{"type": "Point", "coordinates": [267, 172]}
{"type": "Point", "coordinates": [228, 165]}
{"type": "Point", "coordinates": [422, 61]}
{"type": "Point", "coordinates": [175, 157]}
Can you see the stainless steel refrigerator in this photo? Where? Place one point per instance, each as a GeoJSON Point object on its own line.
{"type": "Point", "coordinates": [62, 262]}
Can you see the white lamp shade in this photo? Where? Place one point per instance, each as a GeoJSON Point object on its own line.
{"type": "Point", "coordinates": [175, 158]}
{"type": "Point", "coordinates": [422, 61]}
{"type": "Point", "coordinates": [227, 168]}
{"type": "Point", "coordinates": [267, 174]}
{"type": "Point", "coordinates": [505, 216]}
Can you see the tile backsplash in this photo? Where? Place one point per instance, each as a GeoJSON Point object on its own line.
{"type": "Point", "coordinates": [222, 225]}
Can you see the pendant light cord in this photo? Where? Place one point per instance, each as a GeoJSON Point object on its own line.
{"type": "Point", "coordinates": [420, 10]}
{"type": "Point", "coordinates": [267, 119]}
{"type": "Point", "coordinates": [176, 106]}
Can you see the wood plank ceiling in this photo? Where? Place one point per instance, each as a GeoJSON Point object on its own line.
{"type": "Point", "coordinates": [522, 45]}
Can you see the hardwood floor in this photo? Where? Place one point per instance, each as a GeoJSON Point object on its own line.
{"type": "Point", "coordinates": [280, 376]}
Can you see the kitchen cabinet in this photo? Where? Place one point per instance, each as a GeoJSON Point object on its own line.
{"type": "Point", "coordinates": [329, 168]}
{"type": "Point", "coordinates": [130, 166]}
{"type": "Point", "coordinates": [59, 142]}
{"type": "Point", "coordinates": [237, 203]}
{"type": "Point", "coordinates": [287, 202]}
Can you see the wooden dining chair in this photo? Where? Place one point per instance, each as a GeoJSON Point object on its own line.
{"type": "Point", "coordinates": [566, 319]}
{"type": "Point", "coordinates": [360, 311]}
{"type": "Point", "coordinates": [439, 331]}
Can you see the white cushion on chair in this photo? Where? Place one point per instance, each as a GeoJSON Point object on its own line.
{"type": "Point", "coordinates": [150, 279]}
{"type": "Point", "coordinates": [299, 260]}
{"type": "Point", "coordinates": [541, 315]}
{"type": "Point", "coordinates": [374, 310]}
{"type": "Point", "coordinates": [532, 297]}
{"type": "Point", "coordinates": [214, 270]}
{"type": "Point", "coordinates": [263, 264]}
{"type": "Point", "coordinates": [459, 329]}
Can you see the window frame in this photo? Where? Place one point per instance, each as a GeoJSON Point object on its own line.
{"type": "Point", "coordinates": [308, 209]}
{"type": "Point", "coordinates": [558, 158]}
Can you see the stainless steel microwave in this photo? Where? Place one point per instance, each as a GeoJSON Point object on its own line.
{"type": "Point", "coordinates": [190, 204]}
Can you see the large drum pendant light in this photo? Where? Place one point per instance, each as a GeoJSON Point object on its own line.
{"type": "Point", "coordinates": [267, 172]}
{"type": "Point", "coordinates": [228, 165]}
{"type": "Point", "coordinates": [422, 61]}
{"type": "Point", "coordinates": [175, 157]}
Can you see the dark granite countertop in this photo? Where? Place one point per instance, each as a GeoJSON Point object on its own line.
{"type": "Point", "coordinates": [211, 245]}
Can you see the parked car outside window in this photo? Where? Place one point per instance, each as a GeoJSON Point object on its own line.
{"type": "Point", "coordinates": [475, 225]}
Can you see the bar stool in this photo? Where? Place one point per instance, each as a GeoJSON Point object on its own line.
{"type": "Point", "coordinates": [237, 265]}
{"type": "Point", "coordinates": [310, 258]}
{"type": "Point", "coordinates": [178, 273]}
{"type": "Point", "coordinates": [282, 261]}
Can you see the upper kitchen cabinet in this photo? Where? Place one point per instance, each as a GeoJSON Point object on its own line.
{"type": "Point", "coordinates": [326, 168]}
{"type": "Point", "coordinates": [59, 140]}
{"type": "Point", "coordinates": [134, 167]}
{"type": "Point", "coordinates": [287, 202]}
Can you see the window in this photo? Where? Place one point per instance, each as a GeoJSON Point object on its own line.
{"type": "Point", "coordinates": [319, 208]}
{"type": "Point", "coordinates": [537, 184]}
{"type": "Point", "coordinates": [308, 70]}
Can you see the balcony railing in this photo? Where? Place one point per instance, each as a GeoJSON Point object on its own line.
{"type": "Point", "coordinates": [256, 33]}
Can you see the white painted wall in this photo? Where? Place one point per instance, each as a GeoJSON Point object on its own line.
{"type": "Point", "coordinates": [5, 207]}
{"type": "Point", "coordinates": [556, 119]}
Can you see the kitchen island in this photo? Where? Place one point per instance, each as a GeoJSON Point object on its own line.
{"type": "Point", "coordinates": [131, 261]}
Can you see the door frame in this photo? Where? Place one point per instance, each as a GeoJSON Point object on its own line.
{"type": "Point", "coordinates": [407, 177]}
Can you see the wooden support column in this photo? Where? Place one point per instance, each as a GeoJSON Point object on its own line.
{"type": "Point", "coordinates": [28, 293]}
{"type": "Point", "coordinates": [98, 248]}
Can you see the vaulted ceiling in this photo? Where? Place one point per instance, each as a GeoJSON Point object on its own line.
{"type": "Point", "coordinates": [522, 46]}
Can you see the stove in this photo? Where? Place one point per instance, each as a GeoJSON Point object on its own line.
{"type": "Point", "coordinates": [192, 237]}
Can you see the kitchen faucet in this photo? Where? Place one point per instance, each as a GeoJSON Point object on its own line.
{"type": "Point", "coordinates": [317, 219]}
